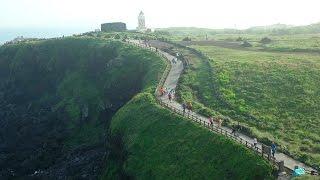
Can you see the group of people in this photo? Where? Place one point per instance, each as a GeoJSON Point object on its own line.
{"type": "Point", "coordinates": [174, 61]}
{"type": "Point", "coordinates": [169, 93]}
{"type": "Point", "coordinates": [219, 121]}
{"type": "Point", "coordinates": [235, 129]}
{"type": "Point", "coordinates": [273, 146]}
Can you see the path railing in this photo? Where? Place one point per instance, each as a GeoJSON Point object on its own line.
{"type": "Point", "coordinates": [219, 130]}
{"type": "Point", "coordinates": [167, 69]}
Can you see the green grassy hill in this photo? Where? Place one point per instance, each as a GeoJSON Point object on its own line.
{"type": "Point", "coordinates": [57, 98]}
{"type": "Point", "coordinates": [163, 145]}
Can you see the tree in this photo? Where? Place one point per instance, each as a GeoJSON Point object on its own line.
{"type": "Point", "coordinates": [265, 40]}
{"type": "Point", "coordinates": [186, 39]}
{"type": "Point", "coordinates": [246, 44]}
{"type": "Point", "coordinates": [117, 36]}
{"type": "Point", "coordinates": [239, 39]}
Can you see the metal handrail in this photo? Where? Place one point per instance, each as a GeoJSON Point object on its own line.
{"type": "Point", "coordinates": [219, 130]}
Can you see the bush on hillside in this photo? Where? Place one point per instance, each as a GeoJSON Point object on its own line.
{"type": "Point", "coordinates": [246, 44]}
{"type": "Point", "coordinates": [117, 36]}
{"type": "Point", "coordinates": [265, 40]}
{"type": "Point", "coordinates": [186, 39]}
{"type": "Point", "coordinates": [239, 39]}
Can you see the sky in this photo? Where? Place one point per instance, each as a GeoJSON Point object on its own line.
{"type": "Point", "coordinates": [89, 14]}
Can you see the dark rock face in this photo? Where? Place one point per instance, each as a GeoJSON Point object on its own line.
{"type": "Point", "coordinates": [82, 163]}
{"type": "Point", "coordinates": [32, 144]}
{"type": "Point", "coordinates": [29, 141]}
{"type": "Point", "coordinates": [32, 147]}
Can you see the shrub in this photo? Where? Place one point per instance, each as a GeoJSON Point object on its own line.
{"type": "Point", "coordinates": [186, 39]}
{"type": "Point", "coordinates": [265, 40]}
{"type": "Point", "coordinates": [239, 39]}
{"type": "Point", "coordinates": [117, 36]}
{"type": "Point", "coordinates": [246, 44]}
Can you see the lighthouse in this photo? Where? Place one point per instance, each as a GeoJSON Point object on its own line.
{"type": "Point", "coordinates": [141, 22]}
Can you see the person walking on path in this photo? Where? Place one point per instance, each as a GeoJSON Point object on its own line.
{"type": "Point", "coordinates": [219, 122]}
{"type": "Point", "coordinates": [161, 91]}
{"type": "Point", "coordinates": [173, 61]}
{"type": "Point", "coordinates": [172, 91]}
{"type": "Point", "coordinates": [170, 97]}
{"type": "Point", "coordinates": [255, 142]}
{"type": "Point", "coordinates": [184, 106]}
{"type": "Point", "coordinates": [233, 131]}
{"type": "Point", "coordinates": [211, 121]}
{"type": "Point", "coordinates": [189, 107]}
{"type": "Point", "coordinates": [273, 148]}
{"type": "Point", "coordinates": [238, 127]}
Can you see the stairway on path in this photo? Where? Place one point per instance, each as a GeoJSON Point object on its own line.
{"type": "Point", "coordinates": [171, 81]}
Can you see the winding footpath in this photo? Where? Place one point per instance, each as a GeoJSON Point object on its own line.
{"type": "Point", "coordinates": [171, 81]}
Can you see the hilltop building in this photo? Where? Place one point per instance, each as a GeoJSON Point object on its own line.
{"type": "Point", "coordinates": [114, 27]}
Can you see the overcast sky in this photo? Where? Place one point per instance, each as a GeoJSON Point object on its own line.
{"type": "Point", "coordinates": [159, 13]}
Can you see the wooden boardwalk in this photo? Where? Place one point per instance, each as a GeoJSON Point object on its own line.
{"type": "Point", "coordinates": [170, 80]}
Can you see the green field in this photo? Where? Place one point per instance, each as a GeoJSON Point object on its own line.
{"type": "Point", "coordinates": [162, 145]}
{"type": "Point", "coordinates": [293, 39]}
{"type": "Point", "coordinates": [275, 95]}
{"type": "Point", "coordinates": [284, 43]}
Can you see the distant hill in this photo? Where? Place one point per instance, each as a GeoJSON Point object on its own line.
{"type": "Point", "coordinates": [285, 29]}
{"type": "Point", "coordinates": [312, 28]}
{"type": "Point", "coordinates": [269, 29]}
{"type": "Point", "coordinates": [273, 26]}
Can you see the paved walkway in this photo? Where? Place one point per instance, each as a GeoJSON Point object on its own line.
{"type": "Point", "coordinates": [171, 82]}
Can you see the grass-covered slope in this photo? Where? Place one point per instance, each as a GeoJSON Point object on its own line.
{"type": "Point", "coordinates": [275, 94]}
{"type": "Point", "coordinates": [163, 145]}
{"type": "Point", "coordinates": [56, 100]}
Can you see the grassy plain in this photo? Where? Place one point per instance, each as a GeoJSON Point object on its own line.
{"type": "Point", "coordinates": [275, 95]}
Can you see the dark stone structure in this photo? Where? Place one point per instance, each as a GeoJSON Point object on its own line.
{"type": "Point", "coordinates": [113, 27]}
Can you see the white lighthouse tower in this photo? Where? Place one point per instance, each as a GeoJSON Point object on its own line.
{"type": "Point", "coordinates": [141, 22]}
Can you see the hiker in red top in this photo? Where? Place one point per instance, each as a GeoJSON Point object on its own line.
{"type": "Point", "coordinates": [161, 91]}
